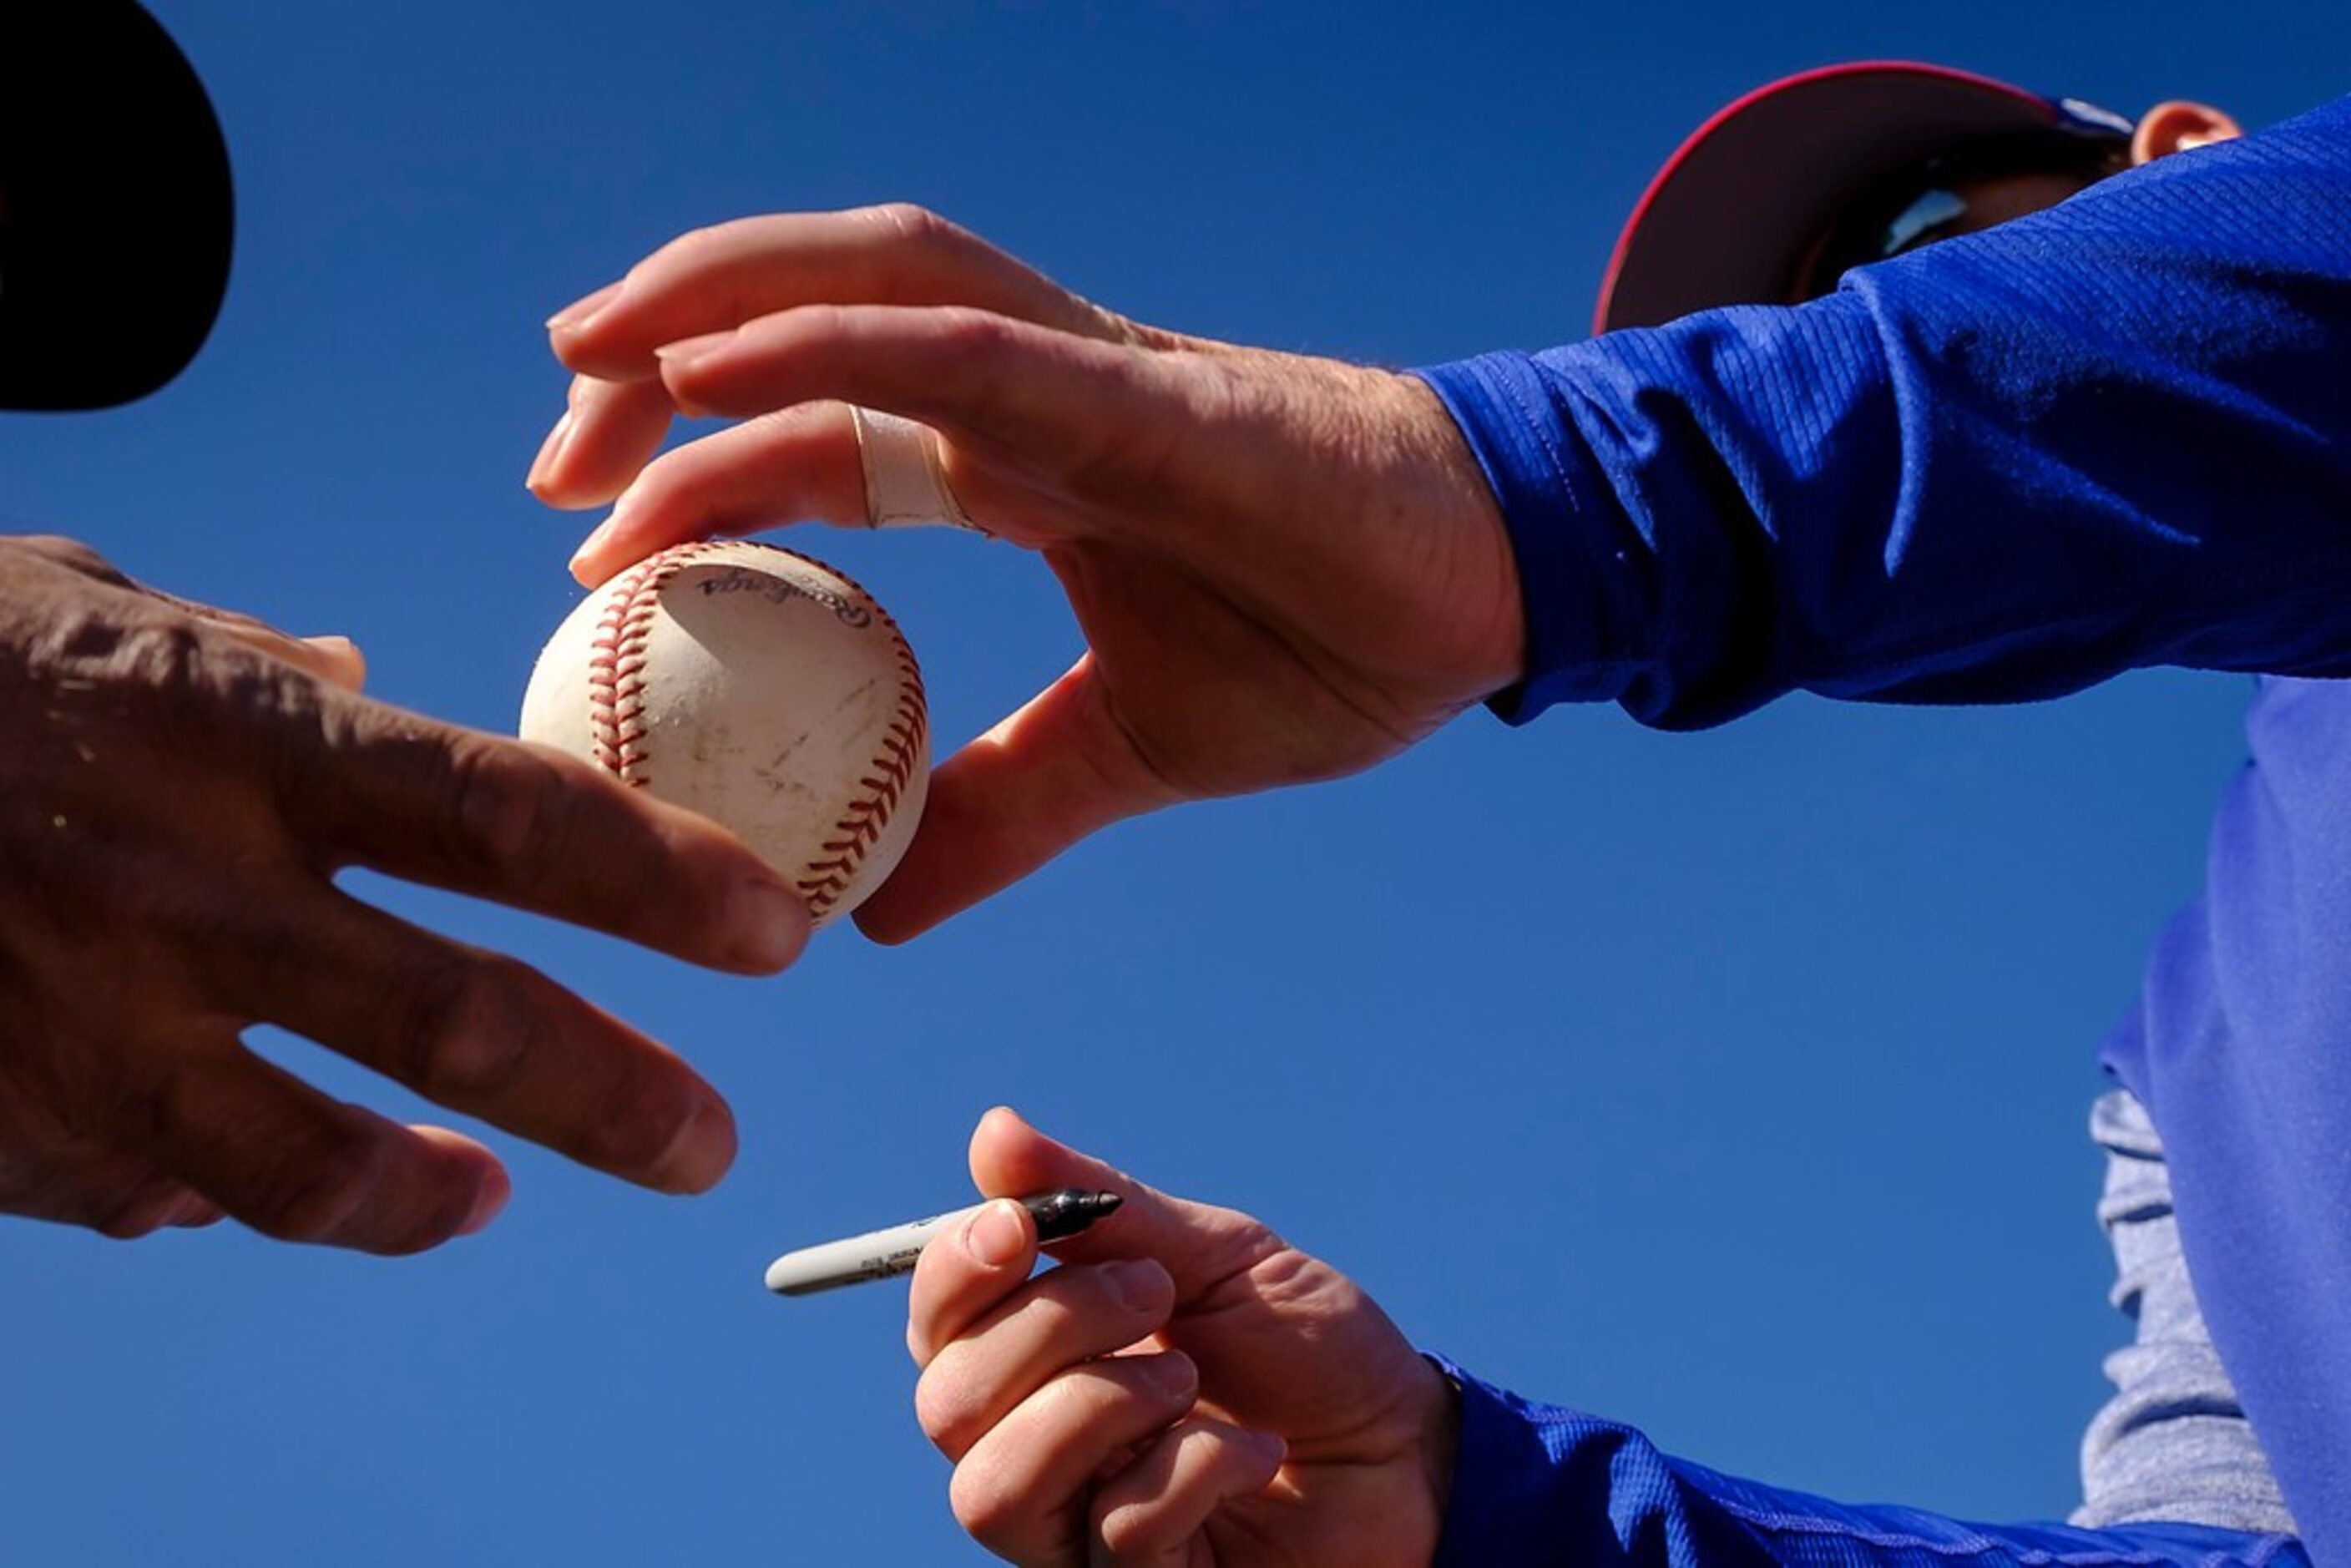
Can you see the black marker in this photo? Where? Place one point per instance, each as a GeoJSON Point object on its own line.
{"type": "Point", "coordinates": [881, 1254]}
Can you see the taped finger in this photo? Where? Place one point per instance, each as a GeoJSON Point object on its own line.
{"type": "Point", "coordinates": [797, 465]}
{"type": "Point", "coordinates": [905, 483]}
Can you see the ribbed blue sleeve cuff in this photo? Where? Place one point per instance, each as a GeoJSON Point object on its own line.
{"type": "Point", "coordinates": [1576, 580]}
{"type": "Point", "coordinates": [1536, 1486]}
{"type": "Point", "coordinates": [1509, 1494]}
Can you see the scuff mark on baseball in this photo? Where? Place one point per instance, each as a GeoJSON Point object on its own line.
{"type": "Point", "coordinates": [759, 687]}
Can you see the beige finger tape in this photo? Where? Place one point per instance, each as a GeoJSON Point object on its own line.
{"type": "Point", "coordinates": [905, 485]}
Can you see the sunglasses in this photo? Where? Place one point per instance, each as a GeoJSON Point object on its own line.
{"type": "Point", "coordinates": [1947, 196]}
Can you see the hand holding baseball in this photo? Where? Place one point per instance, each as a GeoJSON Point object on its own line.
{"type": "Point", "coordinates": [1285, 568]}
{"type": "Point", "coordinates": [1186, 1388]}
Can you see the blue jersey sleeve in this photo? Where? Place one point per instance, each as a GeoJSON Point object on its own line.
{"type": "Point", "coordinates": [2114, 433]}
{"type": "Point", "coordinates": [1536, 1486]}
{"type": "Point", "coordinates": [2117, 433]}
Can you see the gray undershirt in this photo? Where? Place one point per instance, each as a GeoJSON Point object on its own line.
{"type": "Point", "coordinates": [2173, 1443]}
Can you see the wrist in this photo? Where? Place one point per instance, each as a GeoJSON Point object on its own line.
{"type": "Point", "coordinates": [1481, 620]}
{"type": "Point", "coordinates": [1441, 1439]}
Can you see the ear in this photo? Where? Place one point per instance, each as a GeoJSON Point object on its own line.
{"type": "Point", "coordinates": [2178, 126]}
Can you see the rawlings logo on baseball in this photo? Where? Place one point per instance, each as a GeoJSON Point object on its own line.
{"type": "Point", "coordinates": [759, 687]}
{"type": "Point", "coordinates": [849, 611]}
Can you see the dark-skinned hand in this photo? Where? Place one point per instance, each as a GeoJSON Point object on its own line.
{"type": "Point", "coordinates": [180, 787]}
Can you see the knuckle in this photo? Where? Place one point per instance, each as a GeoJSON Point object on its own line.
{"type": "Point", "coordinates": [974, 334]}
{"type": "Point", "coordinates": [1085, 1396]}
{"type": "Point", "coordinates": [312, 1190]}
{"type": "Point", "coordinates": [912, 224]}
{"type": "Point", "coordinates": [1248, 1245]}
{"type": "Point", "coordinates": [75, 556]}
{"type": "Point", "coordinates": [511, 805]}
{"type": "Point", "coordinates": [640, 1130]}
{"type": "Point", "coordinates": [1142, 1288]}
{"type": "Point", "coordinates": [690, 252]}
{"type": "Point", "coordinates": [982, 1499]}
{"type": "Point", "coordinates": [167, 655]}
{"type": "Point", "coordinates": [1127, 1530]}
{"type": "Point", "coordinates": [466, 1028]}
{"type": "Point", "coordinates": [139, 1210]}
{"type": "Point", "coordinates": [946, 1406]}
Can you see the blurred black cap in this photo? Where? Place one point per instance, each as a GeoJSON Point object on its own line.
{"type": "Point", "coordinates": [116, 210]}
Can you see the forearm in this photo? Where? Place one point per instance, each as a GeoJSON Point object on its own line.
{"type": "Point", "coordinates": [1536, 1484]}
{"type": "Point", "coordinates": [2106, 436]}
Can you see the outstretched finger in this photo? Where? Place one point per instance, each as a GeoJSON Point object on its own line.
{"type": "Point", "coordinates": [608, 432]}
{"type": "Point", "coordinates": [532, 828]}
{"type": "Point", "coordinates": [483, 1034]}
{"type": "Point", "coordinates": [1048, 777]}
{"type": "Point", "coordinates": [291, 1163]}
{"type": "Point", "coordinates": [1042, 405]}
{"type": "Point", "coordinates": [1150, 1513]}
{"type": "Point", "coordinates": [716, 279]}
{"type": "Point", "coordinates": [118, 1195]}
{"type": "Point", "coordinates": [800, 465]}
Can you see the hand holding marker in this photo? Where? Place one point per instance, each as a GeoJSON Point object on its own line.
{"type": "Point", "coordinates": [882, 1254]}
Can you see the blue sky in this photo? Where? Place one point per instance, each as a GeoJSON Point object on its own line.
{"type": "Point", "coordinates": [1732, 1083]}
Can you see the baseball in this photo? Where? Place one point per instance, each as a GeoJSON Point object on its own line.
{"type": "Point", "coordinates": [759, 688]}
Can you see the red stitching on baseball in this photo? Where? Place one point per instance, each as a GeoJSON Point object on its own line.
{"type": "Point", "coordinates": [616, 664]}
{"type": "Point", "coordinates": [887, 774]}
{"type": "Point", "coordinates": [616, 704]}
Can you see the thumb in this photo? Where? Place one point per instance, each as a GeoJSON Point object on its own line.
{"type": "Point", "coordinates": [1049, 776]}
{"type": "Point", "coordinates": [1198, 1244]}
{"type": "Point", "coordinates": [335, 660]}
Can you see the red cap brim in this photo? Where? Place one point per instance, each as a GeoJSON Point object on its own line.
{"type": "Point", "coordinates": [1731, 217]}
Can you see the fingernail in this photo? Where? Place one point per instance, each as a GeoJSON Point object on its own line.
{"type": "Point", "coordinates": [770, 925]}
{"type": "Point", "coordinates": [1269, 1448]}
{"type": "Point", "coordinates": [1171, 1373]}
{"type": "Point", "coordinates": [703, 1150]}
{"type": "Point", "coordinates": [1136, 1283]}
{"type": "Point", "coordinates": [601, 537]}
{"type": "Point", "coordinates": [994, 1234]}
{"type": "Point", "coordinates": [580, 312]}
{"type": "Point", "coordinates": [195, 1212]}
{"type": "Point", "coordinates": [550, 452]}
{"type": "Point", "coordinates": [686, 350]}
{"type": "Point", "coordinates": [496, 1187]}
{"type": "Point", "coordinates": [583, 559]}
{"type": "Point", "coordinates": [344, 653]}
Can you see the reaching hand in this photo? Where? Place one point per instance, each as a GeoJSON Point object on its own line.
{"type": "Point", "coordinates": [1184, 1390]}
{"type": "Point", "coordinates": [178, 790]}
{"type": "Point", "coordinates": [1286, 568]}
